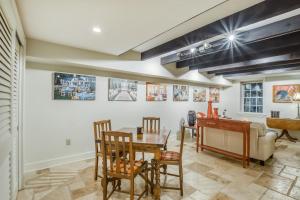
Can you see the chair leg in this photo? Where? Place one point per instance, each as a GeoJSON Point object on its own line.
{"type": "Point", "coordinates": [132, 188]}
{"type": "Point", "coordinates": [152, 176]}
{"type": "Point", "coordinates": [181, 179]}
{"type": "Point", "coordinates": [119, 185]}
{"type": "Point", "coordinates": [104, 187]}
{"type": "Point", "coordinates": [96, 168]}
{"type": "Point", "coordinates": [165, 169]}
{"type": "Point", "coordinates": [146, 180]}
{"type": "Point", "coordinates": [143, 156]}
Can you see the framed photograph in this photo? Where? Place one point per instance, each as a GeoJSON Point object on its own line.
{"type": "Point", "coordinates": [284, 93]}
{"type": "Point", "coordinates": [180, 93]}
{"type": "Point", "coordinates": [156, 92]}
{"type": "Point", "coordinates": [199, 94]}
{"type": "Point", "coordinates": [122, 90]}
{"type": "Point", "coordinates": [214, 95]}
{"type": "Point", "coordinates": [74, 86]}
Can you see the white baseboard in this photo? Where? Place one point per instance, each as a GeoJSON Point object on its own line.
{"type": "Point", "coordinates": [43, 164]}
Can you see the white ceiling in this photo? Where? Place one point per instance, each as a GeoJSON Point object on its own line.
{"type": "Point", "coordinates": [126, 25]}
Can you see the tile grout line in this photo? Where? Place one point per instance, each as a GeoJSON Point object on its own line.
{"type": "Point", "coordinates": [292, 186]}
{"type": "Point", "coordinates": [282, 170]}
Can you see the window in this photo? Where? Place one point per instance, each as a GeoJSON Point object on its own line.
{"type": "Point", "coordinates": [252, 97]}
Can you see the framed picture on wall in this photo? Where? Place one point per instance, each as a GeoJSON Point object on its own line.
{"type": "Point", "coordinates": [156, 92]}
{"type": "Point", "coordinates": [122, 90]}
{"type": "Point", "coordinates": [74, 86]}
{"type": "Point", "coordinates": [214, 95]}
{"type": "Point", "coordinates": [199, 94]}
{"type": "Point", "coordinates": [284, 93]}
{"type": "Point", "coordinates": [180, 93]}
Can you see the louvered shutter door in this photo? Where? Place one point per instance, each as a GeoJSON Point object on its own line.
{"type": "Point", "coordinates": [5, 108]}
{"type": "Point", "coordinates": [15, 117]}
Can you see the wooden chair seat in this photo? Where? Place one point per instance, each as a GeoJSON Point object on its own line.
{"type": "Point", "coordinates": [170, 156]}
{"type": "Point", "coordinates": [138, 165]}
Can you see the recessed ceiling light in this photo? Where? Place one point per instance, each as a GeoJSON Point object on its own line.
{"type": "Point", "coordinates": [192, 50]}
{"type": "Point", "coordinates": [205, 45]}
{"type": "Point", "coordinates": [231, 37]}
{"type": "Point", "coordinates": [96, 29]}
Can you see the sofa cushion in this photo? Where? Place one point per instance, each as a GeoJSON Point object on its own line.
{"type": "Point", "coordinates": [261, 128]}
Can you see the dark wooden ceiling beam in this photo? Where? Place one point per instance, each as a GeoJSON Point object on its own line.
{"type": "Point", "coordinates": [255, 68]}
{"type": "Point", "coordinates": [282, 27]}
{"type": "Point", "coordinates": [258, 67]}
{"type": "Point", "coordinates": [263, 70]}
{"type": "Point", "coordinates": [253, 14]}
{"type": "Point", "coordinates": [279, 59]}
{"type": "Point", "coordinates": [266, 48]}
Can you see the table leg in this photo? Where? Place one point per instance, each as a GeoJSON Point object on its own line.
{"type": "Point", "coordinates": [286, 133]}
{"type": "Point", "coordinates": [248, 148]}
{"type": "Point", "coordinates": [244, 149]}
{"type": "Point", "coordinates": [289, 137]}
{"type": "Point", "coordinates": [193, 133]}
{"type": "Point", "coordinates": [157, 176]}
{"type": "Point", "coordinates": [282, 133]}
{"type": "Point", "coordinates": [197, 139]}
{"type": "Point", "coordinates": [202, 136]}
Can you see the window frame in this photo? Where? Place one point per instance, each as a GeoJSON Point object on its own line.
{"type": "Point", "coordinates": [256, 97]}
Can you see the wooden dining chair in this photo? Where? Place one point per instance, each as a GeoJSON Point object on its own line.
{"type": "Point", "coordinates": [150, 125]}
{"type": "Point", "coordinates": [99, 127]}
{"type": "Point", "coordinates": [120, 167]}
{"type": "Point", "coordinates": [171, 158]}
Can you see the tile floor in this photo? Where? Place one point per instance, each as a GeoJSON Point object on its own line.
{"type": "Point", "coordinates": [206, 176]}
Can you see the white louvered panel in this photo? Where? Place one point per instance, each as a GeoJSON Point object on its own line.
{"type": "Point", "coordinates": [4, 83]}
{"type": "Point", "coordinates": [15, 117]}
{"type": "Point", "coordinates": [4, 116]}
{"type": "Point", "coordinates": [5, 89]}
{"type": "Point", "coordinates": [4, 96]}
{"type": "Point", "coordinates": [6, 70]}
{"type": "Point", "coordinates": [4, 123]}
{"type": "Point", "coordinates": [4, 76]}
{"type": "Point", "coordinates": [4, 60]}
{"type": "Point", "coordinates": [5, 108]}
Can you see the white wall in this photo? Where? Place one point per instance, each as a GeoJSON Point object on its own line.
{"type": "Point", "coordinates": [50, 122]}
{"type": "Point", "coordinates": [231, 101]}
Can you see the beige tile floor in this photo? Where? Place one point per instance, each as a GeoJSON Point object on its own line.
{"type": "Point", "coordinates": [206, 176]}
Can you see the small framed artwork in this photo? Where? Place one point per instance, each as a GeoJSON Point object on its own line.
{"type": "Point", "coordinates": [284, 93]}
{"type": "Point", "coordinates": [122, 90]}
{"type": "Point", "coordinates": [180, 93]}
{"type": "Point", "coordinates": [156, 92]}
{"type": "Point", "coordinates": [214, 95]}
{"type": "Point", "coordinates": [74, 86]}
{"type": "Point", "coordinates": [199, 94]}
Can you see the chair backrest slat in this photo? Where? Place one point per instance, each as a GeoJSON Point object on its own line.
{"type": "Point", "coordinates": [124, 155]}
{"type": "Point", "coordinates": [151, 124]}
{"type": "Point", "coordinates": [110, 151]}
{"type": "Point", "coordinates": [181, 141]}
{"type": "Point", "coordinates": [117, 156]}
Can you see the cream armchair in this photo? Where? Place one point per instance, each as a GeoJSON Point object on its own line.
{"type": "Point", "coordinates": [262, 142]}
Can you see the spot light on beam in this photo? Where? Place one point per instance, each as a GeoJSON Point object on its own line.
{"type": "Point", "coordinates": [192, 50]}
{"type": "Point", "coordinates": [231, 37]}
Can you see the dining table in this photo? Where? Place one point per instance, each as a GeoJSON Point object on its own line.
{"type": "Point", "coordinates": [150, 143]}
